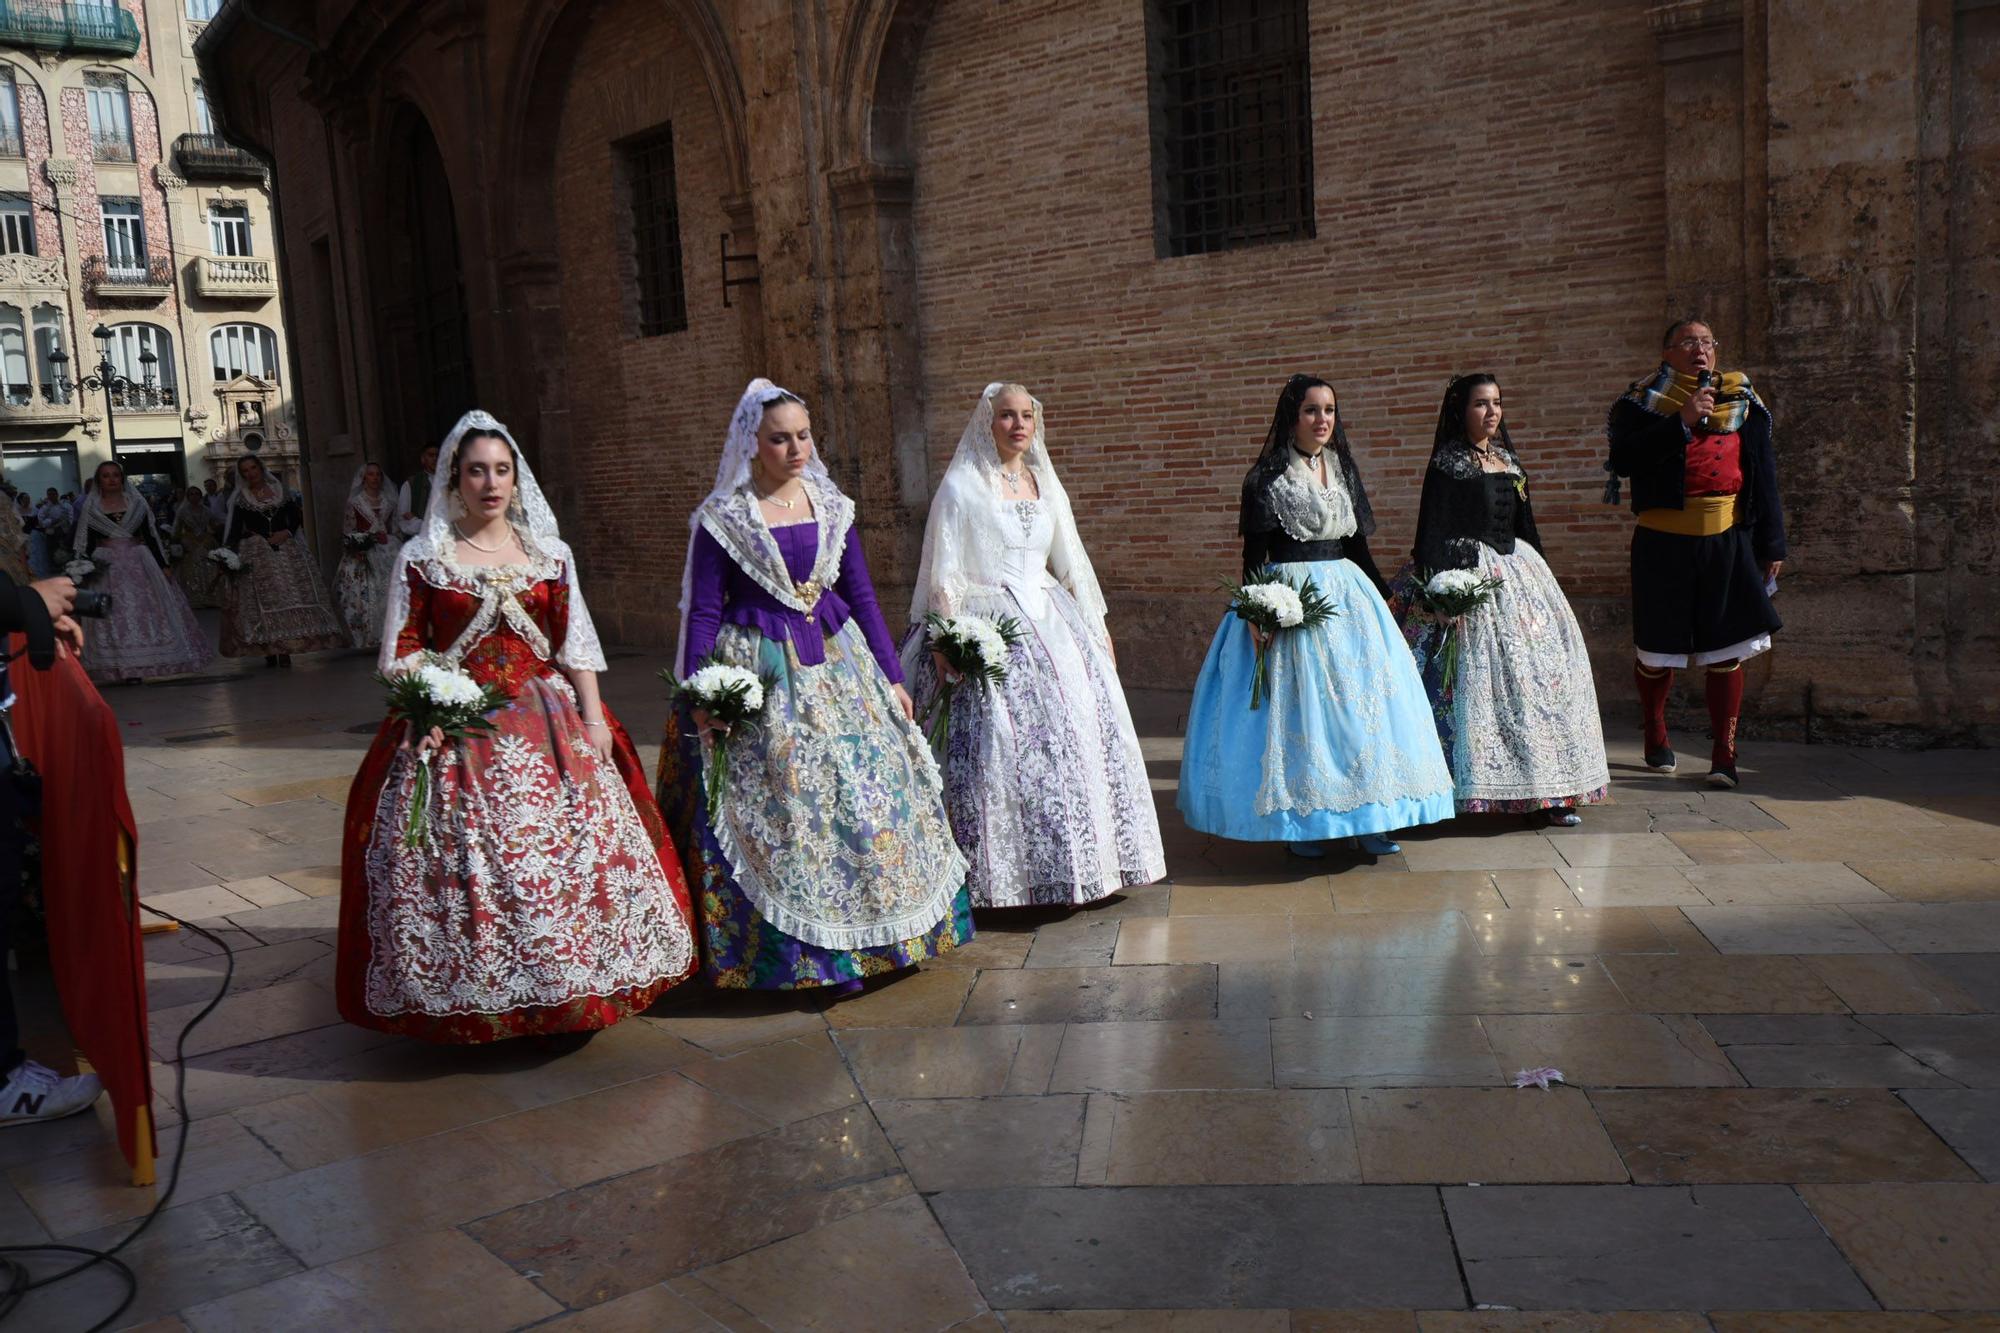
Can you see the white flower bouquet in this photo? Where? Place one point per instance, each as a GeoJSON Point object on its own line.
{"type": "Point", "coordinates": [80, 569]}
{"type": "Point", "coordinates": [357, 543]}
{"type": "Point", "coordinates": [227, 558]}
{"type": "Point", "coordinates": [973, 648]}
{"type": "Point", "coordinates": [1447, 597]}
{"type": "Point", "coordinates": [1272, 603]}
{"type": "Point", "coordinates": [731, 696]}
{"type": "Point", "coordinates": [435, 693]}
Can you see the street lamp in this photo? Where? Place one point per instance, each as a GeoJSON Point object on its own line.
{"type": "Point", "coordinates": [105, 377]}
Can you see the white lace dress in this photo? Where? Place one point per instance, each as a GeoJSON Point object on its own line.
{"type": "Point", "coordinates": [1044, 780]}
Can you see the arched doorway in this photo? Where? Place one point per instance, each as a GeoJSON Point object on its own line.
{"type": "Point", "coordinates": [423, 342]}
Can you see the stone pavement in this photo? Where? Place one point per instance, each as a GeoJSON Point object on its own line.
{"type": "Point", "coordinates": [1275, 1090]}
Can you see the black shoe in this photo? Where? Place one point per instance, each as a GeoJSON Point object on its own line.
{"type": "Point", "coordinates": [1722, 776]}
{"type": "Point", "coordinates": [1662, 760]}
{"type": "Point", "coordinates": [285, 661]}
{"type": "Point", "coordinates": [270, 659]}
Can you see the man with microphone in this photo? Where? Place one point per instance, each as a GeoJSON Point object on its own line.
{"type": "Point", "coordinates": [1710, 539]}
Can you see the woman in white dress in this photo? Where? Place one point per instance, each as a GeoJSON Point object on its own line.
{"type": "Point", "coordinates": [1044, 780]}
{"type": "Point", "coordinates": [151, 630]}
{"type": "Point", "coordinates": [367, 556]}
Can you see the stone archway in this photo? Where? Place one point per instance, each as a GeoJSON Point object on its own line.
{"type": "Point", "coordinates": [613, 404]}
{"type": "Point", "coordinates": [423, 342]}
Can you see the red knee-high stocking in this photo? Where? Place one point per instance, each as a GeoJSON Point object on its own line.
{"type": "Point", "coordinates": [1725, 701]}
{"type": "Point", "coordinates": [1655, 684]}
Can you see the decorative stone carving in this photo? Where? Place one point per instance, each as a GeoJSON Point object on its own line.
{"type": "Point", "coordinates": [61, 172]}
{"type": "Point", "coordinates": [167, 179]}
{"type": "Point", "coordinates": [33, 272]}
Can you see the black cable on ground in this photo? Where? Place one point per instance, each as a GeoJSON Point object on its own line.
{"type": "Point", "coordinates": [15, 1280]}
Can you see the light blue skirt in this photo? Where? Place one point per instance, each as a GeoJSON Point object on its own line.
{"type": "Point", "coordinates": [1343, 743]}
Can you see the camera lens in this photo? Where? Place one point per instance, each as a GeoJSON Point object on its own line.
{"type": "Point", "coordinates": [94, 605]}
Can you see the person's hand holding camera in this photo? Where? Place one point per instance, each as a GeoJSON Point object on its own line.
{"type": "Point", "coordinates": [58, 594]}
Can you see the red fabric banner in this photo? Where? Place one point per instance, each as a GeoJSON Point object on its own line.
{"type": "Point", "coordinates": [90, 859]}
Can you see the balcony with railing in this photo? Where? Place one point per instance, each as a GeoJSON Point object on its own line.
{"type": "Point", "coordinates": [212, 157]}
{"type": "Point", "coordinates": [46, 25]}
{"type": "Point", "coordinates": [38, 405]}
{"type": "Point", "coordinates": [145, 398]}
{"type": "Point", "coordinates": [149, 280]}
{"type": "Point", "coordinates": [234, 278]}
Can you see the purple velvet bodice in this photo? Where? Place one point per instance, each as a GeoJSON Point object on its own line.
{"type": "Point", "coordinates": [721, 593]}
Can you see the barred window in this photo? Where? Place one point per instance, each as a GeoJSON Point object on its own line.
{"type": "Point", "coordinates": [648, 168]}
{"type": "Point", "coordinates": [1232, 124]}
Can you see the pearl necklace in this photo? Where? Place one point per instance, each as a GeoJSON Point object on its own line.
{"type": "Point", "coordinates": [490, 550]}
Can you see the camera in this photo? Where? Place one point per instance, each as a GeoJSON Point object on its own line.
{"type": "Point", "coordinates": [95, 605]}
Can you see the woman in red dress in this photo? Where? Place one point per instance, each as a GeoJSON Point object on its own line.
{"type": "Point", "coordinates": [544, 896]}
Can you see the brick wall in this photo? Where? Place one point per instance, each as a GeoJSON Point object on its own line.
{"type": "Point", "coordinates": [1479, 207]}
{"type": "Point", "coordinates": [647, 415]}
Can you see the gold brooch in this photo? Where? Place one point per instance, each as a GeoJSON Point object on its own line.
{"type": "Point", "coordinates": [809, 592]}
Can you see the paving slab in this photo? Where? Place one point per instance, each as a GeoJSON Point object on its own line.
{"type": "Point", "coordinates": [1676, 1136]}
{"type": "Point", "coordinates": [1631, 1247]}
{"type": "Point", "coordinates": [1317, 1246]}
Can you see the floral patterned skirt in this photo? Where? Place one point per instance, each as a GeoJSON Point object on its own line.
{"type": "Point", "coordinates": [1519, 723]}
{"type": "Point", "coordinates": [277, 603]}
{"type": "Point", "coordinates": [831, 824]}
{"type": "Point", "coordinates": [151, 630]}
{"type": "Point", "coordinates": [1043, 777]}
{"type": "Point", "coordinates": [200, 577]}
{"type": "Point", "coordinates": [1343, 744]}
{"type": "Point", "coordinates": [361, 587]}
{"type": "Point", "coordinates": [545, 896]}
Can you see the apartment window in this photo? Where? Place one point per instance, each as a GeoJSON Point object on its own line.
{"type": "Point", "coordinates": [204, 119]}
{"type": "Point", "coordinates": [15, 386]}
{"type": "Point", "coordinates": [10, 114]}
{"type": "Point", "coordinates": [110, 116]}
{"type": "Point", "coordinates": [17, 225]}
{"type": "Point", "coordinates": [648, 163]}
{"type": "Point", "coordinates": [124, 237]}
{"type": "Point", "coordinates": [229, 230]}
{"type": "Point", "coordinates": [48, 341]}
{"type": "Point", "coordinates": [244, 349]}
{"type": "Point", "coordinates": [128, 346]}
{"type": "Point", "coordinates": [201, 11]}
{"type": "Point", "coordinates": [1232, 124]}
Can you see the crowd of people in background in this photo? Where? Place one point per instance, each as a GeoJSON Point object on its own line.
{"type": "Point", "coordinates": [159, 551]}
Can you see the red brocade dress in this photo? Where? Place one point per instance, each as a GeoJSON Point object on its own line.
{"type": "Point", "coordinates": [545, 896]}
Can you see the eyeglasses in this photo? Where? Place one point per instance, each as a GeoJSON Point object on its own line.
{"type": "Point", "coordinates": [1697, 344]}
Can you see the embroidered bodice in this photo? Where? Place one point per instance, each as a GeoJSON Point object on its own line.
{"type": "Point", "coordinates": [503, 624]}
{"type": "Point", "coordinates": [722, 591]}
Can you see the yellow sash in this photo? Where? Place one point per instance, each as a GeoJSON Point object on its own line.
{"type": "Point", "coordinates": [1703, 516]}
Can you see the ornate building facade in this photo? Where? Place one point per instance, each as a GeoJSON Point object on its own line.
{"type": "Point", "coordinates": [599, 217]}
{"type": "Point", "coordinates": [130, 232]}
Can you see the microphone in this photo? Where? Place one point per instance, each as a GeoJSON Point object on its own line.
{"type": "Point", "coordinates": [1704, 379]}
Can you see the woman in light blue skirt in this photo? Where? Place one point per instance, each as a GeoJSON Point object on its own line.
{"type": "Point", "coordinates": [1343, 743]}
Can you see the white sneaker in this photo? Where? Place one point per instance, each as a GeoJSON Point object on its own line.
{"type": "Point", "coordinates": [37, 1092]}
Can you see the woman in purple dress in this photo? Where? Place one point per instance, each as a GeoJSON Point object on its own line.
{"type": "Point", "coordinates": [825, 857]}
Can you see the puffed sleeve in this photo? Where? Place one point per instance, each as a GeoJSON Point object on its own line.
{"type": "Point", "coordinates": [858, 591]}
{"type": "Point", "coordinates": [708, 577]}
{"type": "Point", "coordinates": [414, 603]}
